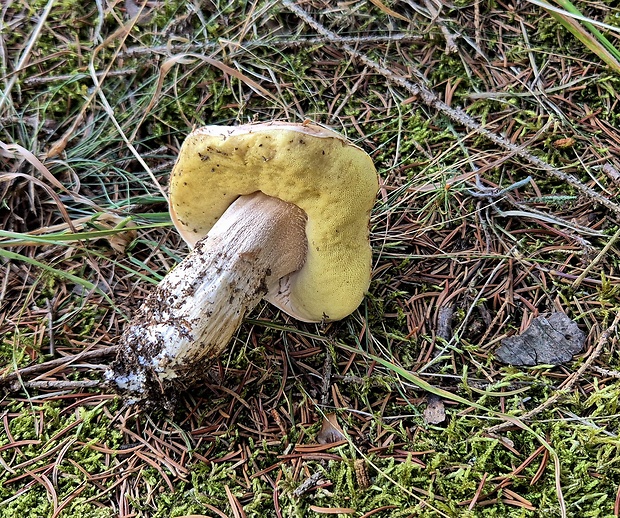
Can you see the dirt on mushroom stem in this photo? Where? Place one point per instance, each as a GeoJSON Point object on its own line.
{"type": "Point", "coordinates": [194, 312]}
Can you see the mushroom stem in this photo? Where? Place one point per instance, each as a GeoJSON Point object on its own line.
{"type": "Point", "coordinates": [194, 312]}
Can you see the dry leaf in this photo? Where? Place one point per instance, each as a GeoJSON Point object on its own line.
{"type": "Point", "coordinates": [331, 430]}
{"type": "Point", "coordinates": [118, 241]}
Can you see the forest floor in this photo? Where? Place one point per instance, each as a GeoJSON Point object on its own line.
{"type": "Point", "coordinates": [494, 128]}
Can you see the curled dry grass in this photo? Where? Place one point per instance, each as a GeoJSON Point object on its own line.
{"type": "Point", "coordinates": [95, 100]}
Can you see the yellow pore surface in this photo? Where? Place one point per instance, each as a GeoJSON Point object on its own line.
{"type": "Point", "coordinates": [333, 181]}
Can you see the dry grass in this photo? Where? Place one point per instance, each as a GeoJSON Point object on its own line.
{"type": "Point", "coordinates": [458, 106]}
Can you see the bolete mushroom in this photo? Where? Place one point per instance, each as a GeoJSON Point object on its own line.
{"type": "Point", "coordinates": [275, 210]}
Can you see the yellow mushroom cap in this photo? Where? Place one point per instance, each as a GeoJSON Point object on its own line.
{"type": "Point", "coordinates": [332, 180]}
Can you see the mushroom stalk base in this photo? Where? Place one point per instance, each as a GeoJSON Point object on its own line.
{"type": "Point", "coordinates": [194, 312]}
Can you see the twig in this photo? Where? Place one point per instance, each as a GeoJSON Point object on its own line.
{"type": "Point", "coordinates": [605, 372]}
{"type": "Point", "coordinates": [444, 321]}
{"type": "Point", "coordinates": [278, 43]}
{"type": "Point", "coordinates": [35, 81]}
{"type": "Point", "coordinates": [491, 194]}
{"type": "Point", "coordinates": [55, 385]}
{"type": "Point", "coordinates": [28, 372]}
{"type": "Point", "coordinates": [570, 380]}
{"type": "Point", "coordinates": [456, 114]}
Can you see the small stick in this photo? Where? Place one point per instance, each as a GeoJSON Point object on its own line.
{"type": "Point", "coordinates": [55, 385]}
{"type": "Point", "coordinates": [28, 372]}
{"type": "Point", "coordinates": [276, 42]}
{"type": "Point", "coordinates": [605, 372]}
{"type": "Point", "coordinates": [35, 81]}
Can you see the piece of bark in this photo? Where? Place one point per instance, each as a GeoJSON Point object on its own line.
{"type": "Point", "coordinates": [310, 483]}
{"type": "Point", "coordinates": [444, 322]}
{"type": "Point", "coordinates": [361, 473]}
{"type": "Point", "coordinates": [435, 411]}
{"type": "Point", "coordinates": [549, 340]}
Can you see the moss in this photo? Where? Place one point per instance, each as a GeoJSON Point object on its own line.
{"type": "Point", "coordinates": [22, 499]}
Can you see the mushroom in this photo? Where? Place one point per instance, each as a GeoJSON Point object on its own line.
{"type": "Point", "coordinates": [278, 211]}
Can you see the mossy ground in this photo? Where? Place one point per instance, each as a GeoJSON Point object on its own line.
{"type": "Point", "coordinates": [246, 442]}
